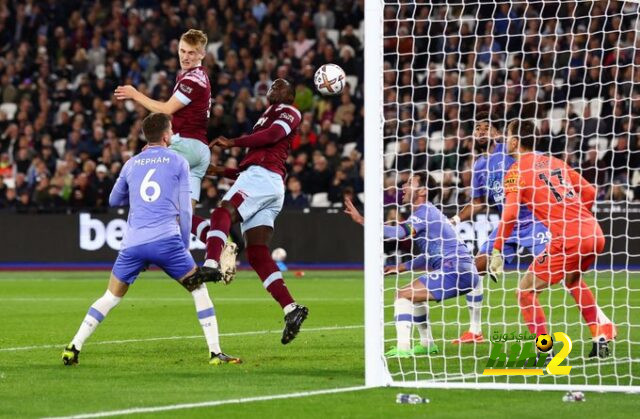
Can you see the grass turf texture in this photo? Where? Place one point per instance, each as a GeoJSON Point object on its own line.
{"type": "Point", "coordinates": [39, 309]}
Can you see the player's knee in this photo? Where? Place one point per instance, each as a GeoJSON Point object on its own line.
{"type": "Point", "coordinates": [232, 209]}
{"type": "Point", "coordinates": [405, 293]}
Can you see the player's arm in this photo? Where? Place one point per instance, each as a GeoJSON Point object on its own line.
{"type": "Point", "coordinates": [119, 196]}
{"type": "Point", "coordinates": [223, 171]}
{"type": "Point", "coordinates": [478, 191]}
{"type": "Point", "coordinates": [171, 106]}
{"type": "Point", "coordinates": [185, 210]}
{"type": "Point", "coordinates": [586, 190]}
{"type": "Point", "coordinates": [468, 211]}
{"type": "Point", "coordinates": [267, 136]}
{"type": "Point", "coordinates": [508, 221]}
{"type": "Point", "coordinates": [285, 124]}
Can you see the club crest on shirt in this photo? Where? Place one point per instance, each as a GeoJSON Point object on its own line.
{"type": "Point", "coordinates": [498, 190]}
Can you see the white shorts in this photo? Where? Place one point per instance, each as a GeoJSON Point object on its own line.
{"type": "Point", "coordinates": [263, 193]}
{"type": "Point", "coordinates": [198, 156]}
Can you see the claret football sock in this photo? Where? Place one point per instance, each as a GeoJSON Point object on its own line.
{"type": "Point", "coordinates": [200, 228]}
{"type": "Point", "coordinates": [260, 260]}
{"type": "Point", "coordinates": [218, 232]}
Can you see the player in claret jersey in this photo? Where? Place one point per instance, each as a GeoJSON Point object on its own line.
{"type": "Point", "coordinates": [190, 106]}
{"type": "Point", "coordinates": [256, 198]}
{"type": "Point", "coordinates": [561, 199]}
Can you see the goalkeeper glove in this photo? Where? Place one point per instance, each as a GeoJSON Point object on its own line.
{"type": "Point", "coordinates": [496, 265]}
{"type": "Point", "coordinates": [455, 220]}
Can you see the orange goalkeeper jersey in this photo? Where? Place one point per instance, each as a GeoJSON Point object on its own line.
{"type": "Point", "coordinates": [556, 194]}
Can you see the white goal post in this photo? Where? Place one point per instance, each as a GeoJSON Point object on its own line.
{"type": "Point", "coordinates": [573, 68]}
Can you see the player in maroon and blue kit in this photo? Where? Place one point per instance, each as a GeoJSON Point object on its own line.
{"type": "Point", "coordinates": [189, 105]}
{"type": "Point", "coordinates": [256, 198]}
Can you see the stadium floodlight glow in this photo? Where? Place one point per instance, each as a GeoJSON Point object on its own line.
{"type": "Point", "coordinates": [569, 67]}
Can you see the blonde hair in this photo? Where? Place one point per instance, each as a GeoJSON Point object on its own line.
{"type": "Point", "coordinates": [195, 38]}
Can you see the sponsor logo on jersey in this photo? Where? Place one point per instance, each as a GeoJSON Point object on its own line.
{"type": "Point", "coordinates": [286, 116]}
{"type": "Point", "coordinates": [185, 88]}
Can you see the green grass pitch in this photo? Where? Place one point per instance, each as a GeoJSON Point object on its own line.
{"type": "Point", "coordinates": [150, 352]}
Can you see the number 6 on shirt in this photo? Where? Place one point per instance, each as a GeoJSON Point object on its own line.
{"type": "Point", "coordinates": [148, 183]}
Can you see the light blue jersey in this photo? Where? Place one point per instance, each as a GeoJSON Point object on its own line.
{"type": "Point", "coordinates": [488, 174]}
{"type": "Point", "coordinates": [442, 253]}
{"type": "Point", "coordinates": [155, 185]}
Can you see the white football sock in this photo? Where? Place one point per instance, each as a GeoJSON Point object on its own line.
{"type": "Point", "coordinates": [421, 320]}
{"type": "Point", "coordinates": [403, 317]}
{"type": "Point", "coordinates": [289, 308]}
{"type": "Point", "coordinates": [210, 263]}
{"type": "Point", "coordinates": [474, 303]}
{"type": "Point", "coordinates": [207, 317]}
{"type": "Point", "coordinates": [97, 312]}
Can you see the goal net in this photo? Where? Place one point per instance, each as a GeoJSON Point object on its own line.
{"type": "Point", "coordinates": [573, 69]}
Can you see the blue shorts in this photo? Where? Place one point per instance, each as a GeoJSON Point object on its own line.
{"type": "Point", "coordinates": [169, 254]}
{"type": "Point", "coordinates": [456, 277]}
{"type": "Point", "coordinates": [534, 237]}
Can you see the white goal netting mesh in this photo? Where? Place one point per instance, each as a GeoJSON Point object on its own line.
{"type": "Point", "coordinates": [572, 68]}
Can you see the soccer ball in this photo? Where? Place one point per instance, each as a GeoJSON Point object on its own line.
{"type": "Point", "coordinates": [330, 79]}
{"type": "Point", "coordinates": [544, 343]}
{"type": "Point", "coordinates": [279, 254]}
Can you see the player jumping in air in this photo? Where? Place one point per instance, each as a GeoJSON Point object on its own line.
{"type": "Point", "coordinates": [488, 172]}
{"type": "Point", "coordinates": [256, 198]}
{"type": "Point", "coordinates": [447, 260]}
{"type": "Point", "coordinates": [189, 106]}
{"type": "Point", "coordinates": [155, 184]}
{"type": "Point", "coordinates": [562, 199]}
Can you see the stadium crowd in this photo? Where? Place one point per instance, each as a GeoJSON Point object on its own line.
{"type": "Point", "coordinates": [64, 137]}
{"type": "Point", "coordinates": [571, 66]}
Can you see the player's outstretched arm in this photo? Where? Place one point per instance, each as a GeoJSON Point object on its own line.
{"type": "Point", "coordinates": [129, 92]}
{"type": "Point", "coordinates": [352, 212]}
{"type": "Point", "coordinates": [223, 171]}
{"type": "Point", "coordinates": [271, 135]}
{"type": "Point", "coordinates": [475, 206]}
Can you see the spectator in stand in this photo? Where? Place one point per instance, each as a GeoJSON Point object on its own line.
{"type": "Point", "coordinates": [339, 183]}
{"type": "Point", "coordinates": [294, 198]}
{"type": "Point", "coordinates": [321, 176]}
{"type": "Point", "coordinates": [102, 184]}
{"type": "Point", "coordinates": [305, 140]}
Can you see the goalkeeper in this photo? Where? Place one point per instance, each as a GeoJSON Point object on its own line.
{"type": "Point", "coordinates": [562, 199]}
{"type": "Point", "coordinates": [449, 263]}
{"type": "Point", "coordinates": [488, 172]}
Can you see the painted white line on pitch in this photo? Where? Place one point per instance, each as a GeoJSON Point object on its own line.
{"type": "Point", "coordinates": [113, 342]}
{"type": "Point", "coordinates": [211, 403]}
{"type": "Point", "coordinates": [185, 299]}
